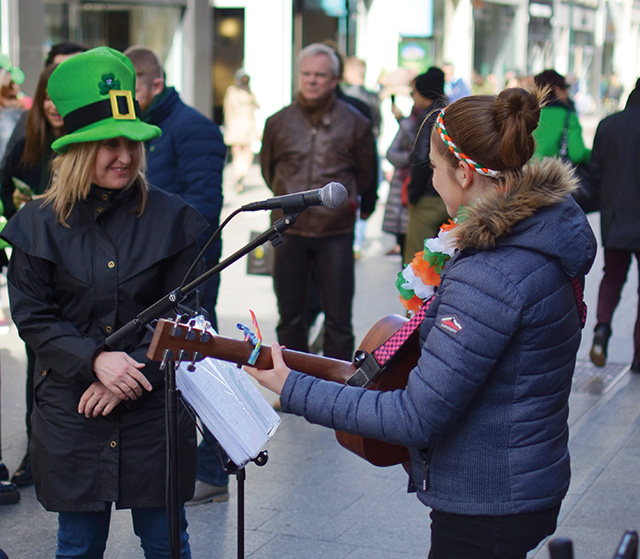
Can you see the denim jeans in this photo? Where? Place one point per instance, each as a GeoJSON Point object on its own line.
{"type": "Point", "coordinates": [457, 536]}
{"type": "Point", "coordinates": [83, 535]}
{"type": "Point", "coordinates": [211, 461]}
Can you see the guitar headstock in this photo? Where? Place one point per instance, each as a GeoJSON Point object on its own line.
{"type": "Point", "coordinates": [189, 344]}
{"type": "Point", "coordinates": [184, 342]}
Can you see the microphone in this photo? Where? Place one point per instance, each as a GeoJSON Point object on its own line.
{"type": "Point", "coordinates": [331, 195]}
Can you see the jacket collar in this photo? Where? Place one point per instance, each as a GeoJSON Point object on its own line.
{"type": "Point", "coordinates": [529, 215]}
{"type": "Point", "coordinates": [161, 106]}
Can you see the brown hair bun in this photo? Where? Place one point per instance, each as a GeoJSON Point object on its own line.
{"type": "Point", "coordinates": [517, 113]}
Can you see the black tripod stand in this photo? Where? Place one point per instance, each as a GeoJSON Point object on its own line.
{"type": "Point", "coordinates": [163, 307]}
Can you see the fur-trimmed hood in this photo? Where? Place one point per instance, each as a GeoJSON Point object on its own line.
{"type": "Point", "coordinates": [522, 214]}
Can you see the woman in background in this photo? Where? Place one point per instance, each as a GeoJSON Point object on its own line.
{"type": "Point", "coordinates": [26, 170]}
{"type": "Point", "coordinates": [26, 173]}
{"type": "Point", "coordinates": [240, 129]}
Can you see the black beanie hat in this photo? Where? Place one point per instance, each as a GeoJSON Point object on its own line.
{"type": "Point", "coordinates": [431, 83]}
{"type": "Point", "coordinates": [550, 78]}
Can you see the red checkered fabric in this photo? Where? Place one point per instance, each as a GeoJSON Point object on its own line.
{"type": "Point", "coordinates": [578, 292]}
{"type": "Point", "coordinates": [388, 349]}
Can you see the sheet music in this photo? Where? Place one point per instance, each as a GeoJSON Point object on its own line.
{"type": "Point", "coordinates": [230, 405]}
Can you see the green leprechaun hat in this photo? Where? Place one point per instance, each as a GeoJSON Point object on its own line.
{"type": "Point", "coordinates": [94, 92]}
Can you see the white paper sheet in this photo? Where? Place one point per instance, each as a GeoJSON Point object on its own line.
{"type": "Point", "coordinates": [230, 405]}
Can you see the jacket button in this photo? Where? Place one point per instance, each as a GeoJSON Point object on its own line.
{"type": "Point", "coordinates": [111, 264]}
{"type": "Point", "coordinates": [105, 197]}
{"type": "Point", "coordinates": [44, 373]}
{"type": "Point", "coordinates": [113, 444]}
{"type": "Point", "coordinates": [99, 209]}
{"type": "Point", "coordinates": [108, 329]}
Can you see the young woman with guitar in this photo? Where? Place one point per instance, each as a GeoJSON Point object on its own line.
{"type": "Point", "coordinates": [484, 412]}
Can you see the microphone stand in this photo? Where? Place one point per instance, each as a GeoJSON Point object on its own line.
{"type": "Point", "coordinates": [162, 307]}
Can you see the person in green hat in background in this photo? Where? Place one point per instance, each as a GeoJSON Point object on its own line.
{"type": "Point", "coordinates": [12, 104]}
{"type": "Point", "coordinates": [96, 249]}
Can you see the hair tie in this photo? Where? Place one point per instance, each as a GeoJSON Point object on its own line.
{"type": "Point", "coordinates": [456, 151]}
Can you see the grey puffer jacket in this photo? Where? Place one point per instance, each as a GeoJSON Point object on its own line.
{"type": "Point", "coordinates": [484, 413]}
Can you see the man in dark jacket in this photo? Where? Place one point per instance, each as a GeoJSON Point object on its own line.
{"type": "Point", "coordinates": [187, 160]}
{"type": "Point", "coordinates": [616, 176]}
{"type": "Point", "coordinates": [313, 141]}
{"type": "Point", "coordinates": [427, 211]}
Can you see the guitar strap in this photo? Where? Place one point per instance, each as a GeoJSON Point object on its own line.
{"type": "Point", "coordinates": [578, 293]}
{"type": "Point", "coordinates": [370, 365]}
{"type": "Point", "coordinates": [388, 349]}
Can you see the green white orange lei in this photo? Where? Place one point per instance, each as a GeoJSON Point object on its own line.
{"type": "Point", "coordinates": [417, 282]}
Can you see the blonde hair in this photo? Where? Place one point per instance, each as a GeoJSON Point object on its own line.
{"type": "Point", "coordinates": [72, 176]}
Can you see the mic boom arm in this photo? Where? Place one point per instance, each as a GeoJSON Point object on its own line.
{"type": "Point", "coordinates": [172, 299]}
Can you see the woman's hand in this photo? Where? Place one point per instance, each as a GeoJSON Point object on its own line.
{"type": "Point", "coordinates": [119, 373]}
{"type": "Point", "coordinates": [97, 400]}
{"type": "Point", "coordinates": [273, 379]}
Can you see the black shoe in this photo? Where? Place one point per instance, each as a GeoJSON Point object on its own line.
{"type": "Point", "coordinates": [9, 493]}
{"type": "Point", "coordinates": [635, 367]}
{"type": "Point", "coordinates": [598, 353]}
{"type": "Point", "coordinates": [4, 473]}
{"type": "Point", "coordinates": [22, 477]}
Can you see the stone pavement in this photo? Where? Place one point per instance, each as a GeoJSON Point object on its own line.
{"type": "Point", "coordinates": [315, 500]}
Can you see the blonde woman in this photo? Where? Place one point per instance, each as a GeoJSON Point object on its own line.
{"type": "Point", "coordinates": [89, 255]}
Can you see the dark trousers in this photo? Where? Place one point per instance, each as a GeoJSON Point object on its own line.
{"type": "Point", "coordinates": [616, 268]}
{"type": "Point", "coordinates": [330, 260]}
{"type": "Point", "coordinates": [456, 536]}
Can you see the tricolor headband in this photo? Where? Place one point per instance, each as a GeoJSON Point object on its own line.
{"type": "Point", "coordinates": [456, 151]}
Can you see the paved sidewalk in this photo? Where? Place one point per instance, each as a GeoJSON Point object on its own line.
{"type": "Point", "coordinates": [313, 499]}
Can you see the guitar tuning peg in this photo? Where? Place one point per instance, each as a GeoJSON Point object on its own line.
{"type": "Point", "coordinates": [176, 332]}
{"type": "Point", "coordinates": [190, 335]}
{"type": "Point", "coordinates": [166, 357]}
{"type": "Point", "coordinates": [205, 336]}
{"type": "Point", "coordinates": [196, 357]}
{"type": "Point", "coordinates": [182, 356]}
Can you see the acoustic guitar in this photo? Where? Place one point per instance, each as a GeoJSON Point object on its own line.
{"type": "Point", "coordinates": [188, 344]}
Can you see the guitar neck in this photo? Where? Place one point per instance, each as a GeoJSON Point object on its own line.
{"type": "Point", "coordinates": [192, 343]}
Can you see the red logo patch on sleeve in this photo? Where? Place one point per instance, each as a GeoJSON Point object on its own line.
{"type": "Point", "coordinates": [450, 324]}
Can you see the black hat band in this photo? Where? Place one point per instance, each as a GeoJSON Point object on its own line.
{"type": "Point", "coordinates": [120, 106]}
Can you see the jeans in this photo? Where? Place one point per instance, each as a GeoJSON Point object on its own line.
{"type": "Point", "coordinates": [456, 536]}
{"type": "Point", "coordinates": [83, 535]}
{"type": "Point", "coordinates": [211, 461]}
{"type": "Point", "coordinates": [616, 267]}
{"type": "Point", "coordinates": [330, 260]}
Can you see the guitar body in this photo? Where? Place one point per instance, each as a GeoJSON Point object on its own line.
{"type": "Point", "coordinates": [180, 342]}
{"type": "Point", "coordinates": [393, 376]}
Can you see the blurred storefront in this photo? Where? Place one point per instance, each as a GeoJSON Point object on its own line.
{"type": "Point", "coordinates": [204, 42]}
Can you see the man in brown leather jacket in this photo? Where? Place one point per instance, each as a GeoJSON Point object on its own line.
{"type": "Point", "coordinates": [315, 140]}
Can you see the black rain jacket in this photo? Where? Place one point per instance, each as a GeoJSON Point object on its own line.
{"type": "Point", "coordinates": [70, 287]}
